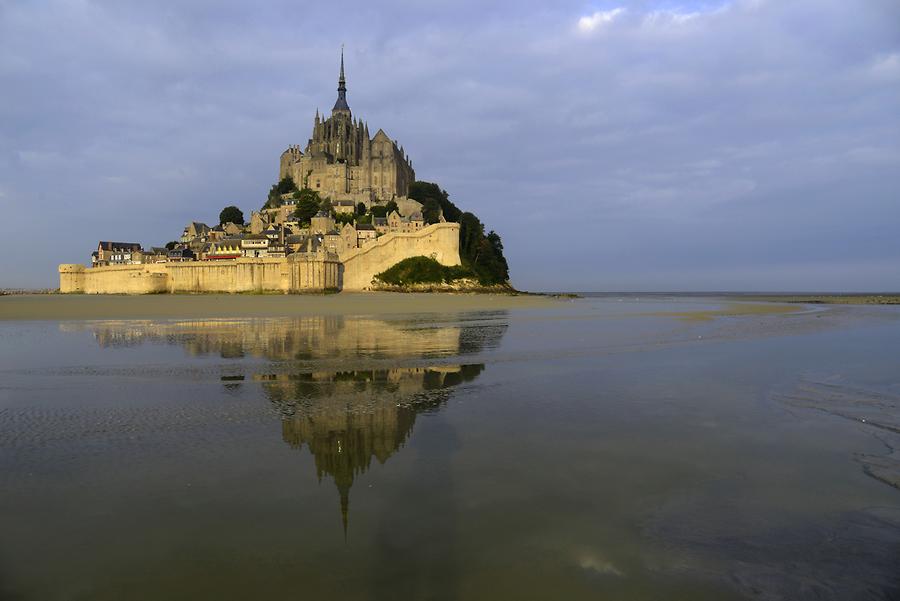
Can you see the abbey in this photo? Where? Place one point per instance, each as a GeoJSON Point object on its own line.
{"type": "Point", "coordinates": [341, 162]}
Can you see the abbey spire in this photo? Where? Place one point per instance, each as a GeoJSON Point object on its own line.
{"type": "Point", "coordinates": [341, 104]}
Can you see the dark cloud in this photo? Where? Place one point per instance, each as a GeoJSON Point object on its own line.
{"type": "Point", "coordinates": [742, 145]}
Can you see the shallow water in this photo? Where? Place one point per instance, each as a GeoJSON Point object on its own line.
{"type": "Point", "coordinates": [603, 448]}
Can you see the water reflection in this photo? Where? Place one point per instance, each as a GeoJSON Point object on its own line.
{"type": "Point", "coordinates": [315, 338]}
{"type": "Point", "coordinates": [348, 418]}
{"type": "Point", "coordinates": [344, 417]}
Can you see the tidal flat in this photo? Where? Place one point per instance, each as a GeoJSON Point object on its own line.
{"type": "Point", "coordinates": [172, 306]}
{"type": "Point", "coordinates": [447, 447]}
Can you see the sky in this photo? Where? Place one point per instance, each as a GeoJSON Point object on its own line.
{"type": "Point", "coordinates": [748, 145]}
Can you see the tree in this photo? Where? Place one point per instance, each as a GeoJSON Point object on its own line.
{"type": "Point", "coordinates": [425, 191]}
{"type": "Point", "coordinates": [325, 206]}
{"type": "Point", "coordinates": [284, 186]}
{"type": "Point", "coordinates": [171, 245]}
{"type": "Point", "coordinates": [360, 208]}
{"type": "Point", "coordinates": [391, 206]}
{"type": "Point", "coordinates": [431, 211]}
{"type": "Point", "coordinates": [378, 211]}
{"type": "Point", "coordinates": [231, 214]}
{"type": "Point", "coordinates": [308, 204]}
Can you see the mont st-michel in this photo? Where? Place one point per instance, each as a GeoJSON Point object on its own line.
{"type": "Point", "coordinates": [289, 360]}
{"type": "Point", "coordinates": [346, 213]}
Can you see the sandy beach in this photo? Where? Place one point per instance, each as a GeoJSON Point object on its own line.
{"type": "Point", "coordinates": [64, 307]}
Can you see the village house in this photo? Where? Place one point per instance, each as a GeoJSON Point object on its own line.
{"type": "Point", "coordinates": [398, 223]}
{"type": "Point", "coordinates": [255, 246]}
{"type": "Point", "coordinates": [365, 232]}
{"type": "Point", "coordinates": [179, 255]}
{"type": "Point", "coordinates": [117, 253]}
{"type": "Point", "coordinates": [194, 230]}
{"type": "Point", "coordinates": [156, 254]}
{"type": "Point", "coordinates": [347, 207]}
{"type": "Point", "coordinates": [228, 248]}
{"type": "Point", "coordinates": [322, 223]}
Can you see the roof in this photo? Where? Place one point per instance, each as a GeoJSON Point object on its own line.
{"type": "Point", "coordinates": [365, 226]}
{"type": "Point", "coordinates": [380, 221]}
{"type": "Point", "coordinates": [417, 216]}
{"type": "Point", "coordinates": [323, 214]}
{"type": "Point", "coordinates": [105, 245]}
{"type": "Point", "coordinates": [344, 203]}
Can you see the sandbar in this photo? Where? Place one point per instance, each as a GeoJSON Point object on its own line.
{"type": "Point", "coordinates": [732, 309]}
{"type": "Point", "coordinates": [177, 306]}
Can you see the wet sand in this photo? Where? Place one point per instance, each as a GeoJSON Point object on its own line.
{"type": "Point", "coordinates": [66, 307]}
{"type": "Point", "coordinates": [733, 310]}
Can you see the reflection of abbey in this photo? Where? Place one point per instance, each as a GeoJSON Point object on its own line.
{"type": "Point", "coordinates": [361, 224]}
{"type": "Point", "coordinates": [348, 400]}
{"type": "Point", "coordinates": [342, 162]}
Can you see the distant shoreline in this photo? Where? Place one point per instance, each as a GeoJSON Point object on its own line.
{"type": "Point", "coordinates": [829, 299]}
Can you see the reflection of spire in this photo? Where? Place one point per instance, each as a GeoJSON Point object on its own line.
{"type": "Point", "coordinates": [346, 419]}
{"type": "Point", "coordinates": [344, 490]}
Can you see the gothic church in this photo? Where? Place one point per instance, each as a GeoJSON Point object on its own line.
{"type": "Point", "coordinates": [341, 162]}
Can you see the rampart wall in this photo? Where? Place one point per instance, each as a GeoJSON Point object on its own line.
{"type": "Point", "coordinates": [241, 275]}
{"type": "Point", "coordinates": [297, 273]}
{"type": "Point", "coordinates": [439, 241]}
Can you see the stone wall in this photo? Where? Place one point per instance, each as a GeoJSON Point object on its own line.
{"type": "Point", "coordinates": [301, 274]}
{"type": "Point", "coordinates": [298, 273]}
{"type": "Point", "coordinates": [439, 241]}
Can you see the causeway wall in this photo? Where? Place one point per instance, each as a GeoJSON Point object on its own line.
{"type": "Point", "coordinates": [298, 273]}
{"type": "Point", "coordinates": [439, 241]}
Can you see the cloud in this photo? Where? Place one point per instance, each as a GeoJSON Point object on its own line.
{"type": "Point", "coordinates": [599, 19]}
{"type": "Point", "coordinates": [657, 147]}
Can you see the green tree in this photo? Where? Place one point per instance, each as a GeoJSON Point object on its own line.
{"type": "Point", "coordinates": [378, 211]}
{"type": "Point", "coordinates": [171, 245]}
{"type": "Point", "coordinates": [231, 214]}
{"type": "Point", "coordinates": [391, 206]}
{"type": "Point", "coordinates": [431, 211]}
{"type": "Point", "coordinates": [360, 208]}
{"type": "Point", "coordinates": [343, 218]}
{"type": "Point", "coordinates": [284, 186]}
{"type": "Point", "coordinates": [308, 204]}
{"type": "Point", "coordinates": [425, 191]}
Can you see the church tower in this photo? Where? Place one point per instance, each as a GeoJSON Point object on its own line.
{"type": "Point", "coordinates": [342, 162]}
{"type": "Point", "coordinates": [341, 106]}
